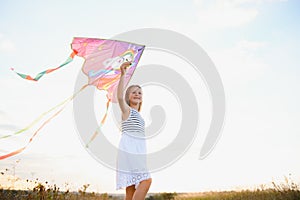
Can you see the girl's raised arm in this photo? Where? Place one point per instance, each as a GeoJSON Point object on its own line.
{"type": "Point", "coordinates": [120, 92]}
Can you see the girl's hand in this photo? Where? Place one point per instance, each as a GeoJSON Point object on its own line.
{"type": "Point", "coordinates": [123, 67]}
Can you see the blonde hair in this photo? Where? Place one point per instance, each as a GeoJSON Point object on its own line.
{"type": "Point", "coordinates": [127, 95]}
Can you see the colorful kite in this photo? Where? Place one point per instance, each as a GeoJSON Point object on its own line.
{"type": "Point", "coordinates": [103, 59]}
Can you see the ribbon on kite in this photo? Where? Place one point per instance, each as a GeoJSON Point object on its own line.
{"type": "Point", "coordinates": [103, 59]}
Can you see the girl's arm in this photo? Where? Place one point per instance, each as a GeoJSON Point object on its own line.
{"type": "Point", "coordinates": [120, 92]}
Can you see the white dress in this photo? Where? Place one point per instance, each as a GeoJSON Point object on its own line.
{"type": "Point", "coordinates": [132, 160]}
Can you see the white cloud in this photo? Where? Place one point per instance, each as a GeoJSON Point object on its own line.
{"type": "Point", "coordinates": [250, 45]}
{"type": "Point", "coordinates": [256, 1]}
{"type": "Point", "coordinates": [222, 14]}
{"type": "Point", "coordinates": [6, 46]}
{"type": "Point", "coordinates": [240, 63]}
{"type": "Point", "coordinates": [227, 13]}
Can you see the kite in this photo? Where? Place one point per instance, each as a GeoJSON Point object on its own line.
{"type": "Point", "coordinates": [103, 59]}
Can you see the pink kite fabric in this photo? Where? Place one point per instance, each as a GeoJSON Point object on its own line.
{"type": "Point", "coordinates": [103, 59]}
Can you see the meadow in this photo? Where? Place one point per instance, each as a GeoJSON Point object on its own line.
{"type": "Point", "coordinates": [285, 190]}
{"type": "Point", "coordinates": [288, 190]}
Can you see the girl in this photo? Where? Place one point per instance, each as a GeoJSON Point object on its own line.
{"type": "Point", "coordinates": [132, 172]}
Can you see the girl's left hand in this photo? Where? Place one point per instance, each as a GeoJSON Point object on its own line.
{"type": "Point", "coordinates": [124, 66]}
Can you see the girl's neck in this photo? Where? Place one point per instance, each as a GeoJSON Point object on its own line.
{"type": "Point", "coordinates": [136, 106]}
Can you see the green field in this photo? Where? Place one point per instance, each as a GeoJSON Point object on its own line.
{"type": "Point", "coordinates": [286, 191]}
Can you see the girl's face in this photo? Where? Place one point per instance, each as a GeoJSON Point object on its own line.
{"type": "Point", "coordinates": [135, 95]}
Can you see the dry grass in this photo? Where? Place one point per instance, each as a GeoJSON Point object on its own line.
{"type": "Point", "coordinates": [287, 190]}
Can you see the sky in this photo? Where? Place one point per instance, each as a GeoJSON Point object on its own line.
{"type": "Point", "coordinates": [253, 44]}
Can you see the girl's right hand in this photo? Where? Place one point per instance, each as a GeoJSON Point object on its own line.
{"type": "Point", "coordinates": [124, 66]}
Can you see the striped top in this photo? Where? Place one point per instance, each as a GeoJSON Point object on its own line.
{"type": "Point", "coordinates": [134, 123]}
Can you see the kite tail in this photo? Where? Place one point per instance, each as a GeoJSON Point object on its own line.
{"type": "Point", "coordinates": [30, 140]}
{"type": "Point", "coordinates": [39, 75]}
{"type": "Point", "coordinates": [44, 114]}
{"type": "Point", "coordinates": [46, 122]}
{"type": "Point", "coordinates": [37, 119]}
{"type": "Point", "coordinates": [101, 124]}
{"type": "Point", "coordinates": [12, 153]}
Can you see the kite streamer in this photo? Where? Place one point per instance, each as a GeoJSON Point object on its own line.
{"type": "Point", "coordinates": [43, 115]}
{"type": "Point", "coordinates": [62, 104]}
{"type": "Point", "coordinates": [103, 59]}
{"type": "Point", "coordinates": [39, 75]}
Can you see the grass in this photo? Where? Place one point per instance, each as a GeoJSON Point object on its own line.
{"type": "Point", "coordinates": [42, 192]}
{"type": "Point", "coordinates": [288, 190]}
